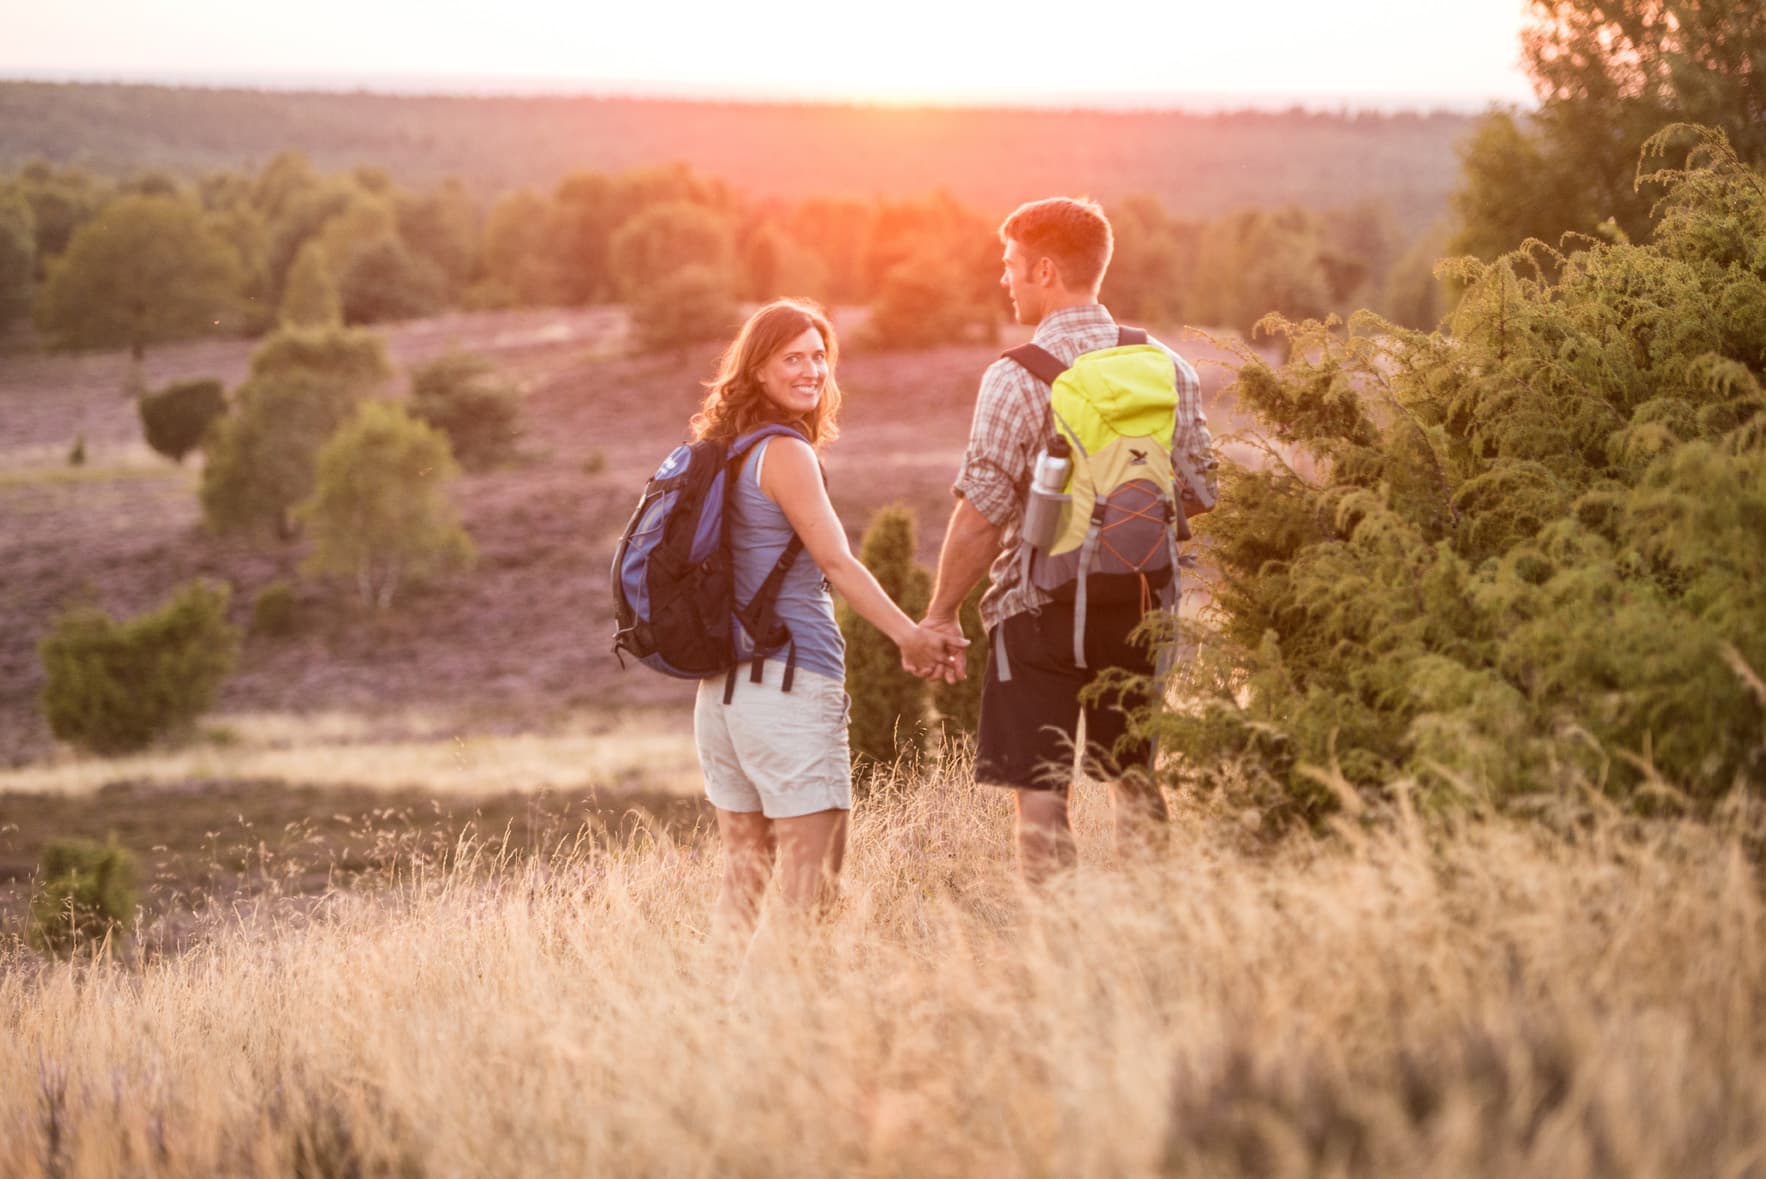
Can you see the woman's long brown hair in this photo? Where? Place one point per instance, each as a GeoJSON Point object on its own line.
{"type": "Point", "coordinates": [734, 402]}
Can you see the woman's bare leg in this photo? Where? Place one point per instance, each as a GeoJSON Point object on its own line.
{"type": "Point", "coordinates": [748, 841]}
{"type": "Point", "coordinates": [812, 849]}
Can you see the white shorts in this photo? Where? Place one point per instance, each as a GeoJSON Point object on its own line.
{"type": "Point", "coordinates": [783, 754]}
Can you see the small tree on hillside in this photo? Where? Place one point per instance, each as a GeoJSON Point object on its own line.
{"type": "Point", "coordinates": [310, 299]}
{"type": "Point", "coordinates": [147, 270]}
{"type": "Point", "coordinates": [378, 513]}
{"type": "Point", "coordinates": [175, 418]}
{"type": "Point", "coordinates": [461, 395]}
{"type": "Point", "coordinates": [259, 459]}
{"type": "Point", "coordinates": [304, 383]}
{"type": "Point", "coordinates": [888, 704]}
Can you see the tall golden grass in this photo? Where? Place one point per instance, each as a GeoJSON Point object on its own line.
{"type": "Point", "coordinates": [1405, 999]}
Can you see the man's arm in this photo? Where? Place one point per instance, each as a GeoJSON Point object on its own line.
{"type": "Point", "coordinates": [971, 543]}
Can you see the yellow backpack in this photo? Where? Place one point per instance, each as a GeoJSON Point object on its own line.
{"type": "Point", "coordinates": [1121, 511]}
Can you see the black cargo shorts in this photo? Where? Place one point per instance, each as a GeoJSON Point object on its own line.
{"type": "Point", "coordinates": [1029, 722]}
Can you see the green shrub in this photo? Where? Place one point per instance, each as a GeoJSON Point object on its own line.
{"type": "Point", "coordinates": [687, 306]}
{"type": "Point", "coordinates": [353, 357]}
{"type": "Point", "coordinates": [85, 893]}
{"type": "Point", "coordinates": [175, 418]}
{"type": "Point", "coordinates": [459, 395]}
{"type": "Point", "coordinates": [378, 513]}
{"type": "Point", "coordinates": [274, 613]}
{"type": "Point", "coordinates": [113, 687]}
{"type": "Point", "coordinates": [888, 704]}
{"type": "Point", "coordinates": [1522, 555]}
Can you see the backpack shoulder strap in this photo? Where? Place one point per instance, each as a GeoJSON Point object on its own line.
{"type": "Point", "coordinates": [1039, 361]}
{"type": "Point", "coordinates": [1127, 335]}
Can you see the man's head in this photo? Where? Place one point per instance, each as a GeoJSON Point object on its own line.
{"type": "Point", "coordinates": [1056, 253]}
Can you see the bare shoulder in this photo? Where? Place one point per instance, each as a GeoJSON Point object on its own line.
{"type": "Point", "coordinates": [790, 462]}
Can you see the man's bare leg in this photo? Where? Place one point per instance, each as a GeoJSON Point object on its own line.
{"type": "Point", "coordinates": [1045, 837]}
{"type": "Point", "coordinates": [1139, 814]}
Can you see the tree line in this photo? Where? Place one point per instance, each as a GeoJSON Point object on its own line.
{"type": "Point", "coordinates": [149, 259]}
{"type": "Point", "coordinates": [1197, 164]}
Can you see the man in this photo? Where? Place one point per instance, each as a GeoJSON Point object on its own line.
{"type": "Point", "coordinates": [1056, 252]}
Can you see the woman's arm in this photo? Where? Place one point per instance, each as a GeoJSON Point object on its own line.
{"type": "Point", "coordinates": [792, 479]}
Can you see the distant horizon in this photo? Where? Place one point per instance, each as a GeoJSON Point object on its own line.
{"type": "Point", "coordinates": [444, 85]}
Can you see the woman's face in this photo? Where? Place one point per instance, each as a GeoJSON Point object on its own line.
{"type": "Point", "coordinates": [792, 378]}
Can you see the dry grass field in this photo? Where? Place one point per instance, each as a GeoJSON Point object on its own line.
{"type": "Point", "coordinates": [1393, 1000]}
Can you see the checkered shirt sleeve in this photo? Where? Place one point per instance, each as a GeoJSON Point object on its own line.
{"type": "Point", "coordinates": [1011, 419]}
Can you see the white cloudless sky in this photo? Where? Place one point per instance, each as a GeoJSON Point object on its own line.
{"type": "Point", "coordinates": [1175, 53]}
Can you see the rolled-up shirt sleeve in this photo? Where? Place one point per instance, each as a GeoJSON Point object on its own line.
{"type": "Point", "coordinates": [1002, 437]}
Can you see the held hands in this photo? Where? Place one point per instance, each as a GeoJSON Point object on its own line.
{"type": "Point", "coordinates": [935, 653]}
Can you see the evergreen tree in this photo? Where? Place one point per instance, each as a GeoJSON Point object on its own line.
{"type": "Point", "coordinates": [378, 513]}
{"type": "Point", "coordinates": [1521, 554]}
{"type": "Point", "coordinates": [888, 704]}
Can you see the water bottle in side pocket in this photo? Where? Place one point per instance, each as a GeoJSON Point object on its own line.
{"type": "Point", "coordinates": [1048, 483]}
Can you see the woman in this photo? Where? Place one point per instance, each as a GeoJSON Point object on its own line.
{"type": "Point", "coordinates": [777, 767]}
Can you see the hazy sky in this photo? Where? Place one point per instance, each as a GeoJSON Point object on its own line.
{"type": "Point", "coordinates": [1175, 52]}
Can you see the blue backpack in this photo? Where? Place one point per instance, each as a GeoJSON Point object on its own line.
{"type": "Point", "coordinates": [674, 585]}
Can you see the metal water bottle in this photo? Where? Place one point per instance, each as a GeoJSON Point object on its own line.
{"type": "Point", "coordinates": [1042, 515]}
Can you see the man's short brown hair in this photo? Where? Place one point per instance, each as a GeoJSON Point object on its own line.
{"type": "Point", "coordinates": [1072, 233]}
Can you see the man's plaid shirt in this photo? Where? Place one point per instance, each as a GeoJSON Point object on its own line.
{"type": "Point", "coordinates": [1012, 424]}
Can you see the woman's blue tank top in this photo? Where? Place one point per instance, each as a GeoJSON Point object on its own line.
{"type": "Point", "coordinates": [759, 532]}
